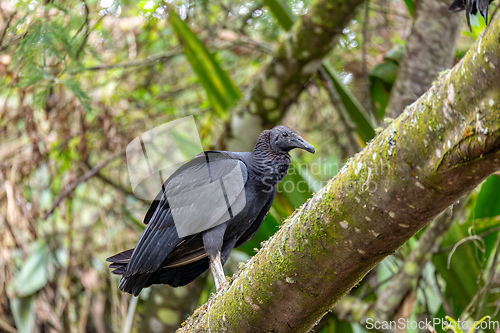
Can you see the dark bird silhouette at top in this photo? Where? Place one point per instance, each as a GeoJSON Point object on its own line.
{"type": "Point", "coordinates": [210, 205]}
{"type": "Point", "coordinates": [471, 7]}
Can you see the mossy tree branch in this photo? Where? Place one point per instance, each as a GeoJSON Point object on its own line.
{"type": "Point", "coordinates": [399, 285]}
{"type": "Point", "coordinates": [442, 146]}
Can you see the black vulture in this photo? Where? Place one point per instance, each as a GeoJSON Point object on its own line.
{"type": "Point", "coordinates": [471, 7]}
{"type": "Point", "coordinates": [210, 205]}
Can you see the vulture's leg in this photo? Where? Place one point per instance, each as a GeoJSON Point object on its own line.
{"type": "Point", "coordinates": [212, 242]}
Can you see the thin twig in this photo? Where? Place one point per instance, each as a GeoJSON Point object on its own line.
{"type": "Point", "coordinates": [141, 63]}
{"type": "Point", "coordinates": [86, 22]}
{"type": "Point", "coordinates": [12, 233]}
{"type": "Point", "coordinates": [460, 242]}
{"type": "Point", "coordinates": [5, 325]}
{"type": "Point", "coordinates": [82, 45]}
{"type": "Point", "coordinates": [7, 25]}
{"type": "Point", "coordinates": [249, 16]}
{"type": "Point", "coordinates": [166, 57]}
{"type": "Point", "coordinates": [115, 185]}
{"type": "Point", "coordinates": [80, 180]}
{"type": "Point", "coordinates": [444, 302]}
{"type": "Point", "coordinates": [491, 275]}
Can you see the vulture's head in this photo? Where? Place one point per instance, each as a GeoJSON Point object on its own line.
{"type": "Point", "coordinates": [284, 139]}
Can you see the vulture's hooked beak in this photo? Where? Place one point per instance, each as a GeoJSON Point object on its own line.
{"type": "Point", "coordinates": [300, 143]}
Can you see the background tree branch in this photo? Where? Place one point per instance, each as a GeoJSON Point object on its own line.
{"type": "Point", "coordinates": [430, 50]}
{"type": "Point", "coordinates": [442, 146]}
{"type": "Point", "coordinates": [296, 60]}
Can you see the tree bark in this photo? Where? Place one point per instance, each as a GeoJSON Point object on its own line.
{"type": "Point", "coordinates": [296, 60]}
{"type": "Point", "coordinates": [430, 50]}
{"type": "Point", "coordinates": [441, 147]}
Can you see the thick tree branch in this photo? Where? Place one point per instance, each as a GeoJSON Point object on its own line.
{"type": "Point", "coordinates": [442, 146]}
{"type": "Point", "coordinates": [385, 307]}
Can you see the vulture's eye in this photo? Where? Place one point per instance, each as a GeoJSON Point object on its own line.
{"type": "Point", "coordinates": [285, 134]}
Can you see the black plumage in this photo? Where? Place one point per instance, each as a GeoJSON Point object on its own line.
{"type": "Point", "coordinates": [471, 7]}
{"type": "Point", "coordinates": [163, 257]}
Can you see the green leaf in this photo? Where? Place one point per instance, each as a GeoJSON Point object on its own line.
{"type": "Point", "coordinates": [79, 93]}
{"type": "Point", "coordinates": [486, 224]}
{"type": "Point", "coordinates": [294, 189]}
{"type": "Point", "coordinates": [61, 38]}
{"type": "Point", "coordinates": [488, 202]}
{"type": "Point", "coordinates": [308, 178]}
{"type": "Point", "coordinates": [387, 72]}
{"type": "Point", "coordinates": [335, 325]}
{"type": "Point", "coordinates": [23, 310]}
{"type": "Point", "coordinates": [411, 6]}
{"type": "Point", "coordinates": [354, 109]}
{"type": "Point", "coordinates": [281, 12]}
{"type": "Point", "coordinates": [488, 208]}
{"type": "Point", "coordinates": [470, 262]}
{"type": "Point", "coordinates": [382, 77]}
{"type": "Point", "coordinates": [395, 53]}
{"type": "Point", "coordinates": [34, 273]}
{"type": "Point", "coordinates": [380, 96]}
{"type": "Point", "coordinates": [29, 44]}
{"type": "Point", "coordinates": [221, 90]}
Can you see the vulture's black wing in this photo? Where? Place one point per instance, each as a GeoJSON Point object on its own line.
{"type": "Point", "coordinates": [199, 195]}
{"type": "Point", "coordinates": [250, 232]}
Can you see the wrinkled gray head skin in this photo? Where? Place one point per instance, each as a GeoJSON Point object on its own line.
{"type": "Point", "coordinates": [284, 139]}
